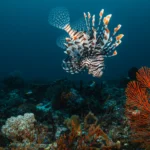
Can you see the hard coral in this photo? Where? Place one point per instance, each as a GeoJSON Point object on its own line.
{"type": "Point", "coordinates": [25, 134]}
{"type": "Point", "coordinates": [19, 128]}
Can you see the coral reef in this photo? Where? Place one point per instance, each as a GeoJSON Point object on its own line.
{"type": "Point", "coordinates": [14, 81]}
{"type": "Point", "coordinates": [83, 115]}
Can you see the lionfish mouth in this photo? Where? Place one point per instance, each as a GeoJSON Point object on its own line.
{"type": "Point", "coordinates": [86, 50]}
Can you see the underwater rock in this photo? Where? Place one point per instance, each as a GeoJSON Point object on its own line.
{"type": "Point", "coordinates": [3, 141]}
{"type": "Point", "coordinates": [75, 100]}
{"type": "Point", "coordinates": [45, 107]}
{"type": "Point", "coordinates": [14, 81]}
{"type": "Point", "coordinates": [12, 99]}
{"type": "Point", "coordinates": [59, 130]}
{"type": "Point", "coordinates": [55, 91]}
{"type": "Point", "coordinates": [37, 91]}
{"type": "Point", "coordinates": [123, 82]}
{"type": "Point", "coordinates": [26, 107]}
{"type": "Point", "coordinates": [132, 73]}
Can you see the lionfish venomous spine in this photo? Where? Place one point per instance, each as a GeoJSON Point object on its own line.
{"type": "Point", "coordinates": [86, 49]}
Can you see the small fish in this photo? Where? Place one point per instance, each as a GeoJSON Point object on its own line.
{"type": "Point", "coordinates": [40, 104]}
{"type": "Point", "coordinates": [92, 84]}
{"type": "Point", "coordinates": [29, 92]}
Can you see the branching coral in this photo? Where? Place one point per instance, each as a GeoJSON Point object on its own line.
{"type": "Point", "coordinates": [138, 107]}
{"type": "Point", "coordinates": [91, 138]}
{"type": "Point", "coordinates": [73, 123]}
{"type": "Point", "coordinates": [90, 119]}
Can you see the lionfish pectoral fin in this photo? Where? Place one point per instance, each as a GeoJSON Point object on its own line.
{"type": "Point", "coordinates": [61, 41]}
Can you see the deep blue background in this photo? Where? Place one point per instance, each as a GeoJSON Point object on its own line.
{"type": "Point", "coordinates": [28, 42]}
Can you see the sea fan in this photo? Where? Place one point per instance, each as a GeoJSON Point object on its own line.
{"type": "Point", "coordinates": [138, 107]}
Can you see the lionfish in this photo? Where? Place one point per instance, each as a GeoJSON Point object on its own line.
{"type": "Point", "coordinates": [86, 49]}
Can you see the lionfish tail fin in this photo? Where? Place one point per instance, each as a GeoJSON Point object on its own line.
{"type": "Point", "coordinates": [59, 17]}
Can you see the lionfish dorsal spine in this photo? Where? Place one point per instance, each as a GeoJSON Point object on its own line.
{"type": "Point", "coordinates": [87, 20]}
{"type": "Point", "coordinates": [107, 19]}
{"type": "Point", "coordinates": [100, 19]}
{"type": "Point", "coordinates": [117, 29]}
{"type": "Point", "coordinates": [93, 20]}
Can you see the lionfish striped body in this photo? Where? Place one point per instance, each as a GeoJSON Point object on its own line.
{"type": "Point", "coordinates": [86, 50]}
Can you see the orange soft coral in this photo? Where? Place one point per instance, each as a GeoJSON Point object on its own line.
{"type": "Point", "coordinates": [138, 107]}
{"type": "Point", "coordinates": [143, 76]}
{"type": "Point", "coordinates": [90, 138]}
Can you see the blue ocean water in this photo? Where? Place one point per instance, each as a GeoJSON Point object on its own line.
{"type": "Point", "coordinates": [28, 42]}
